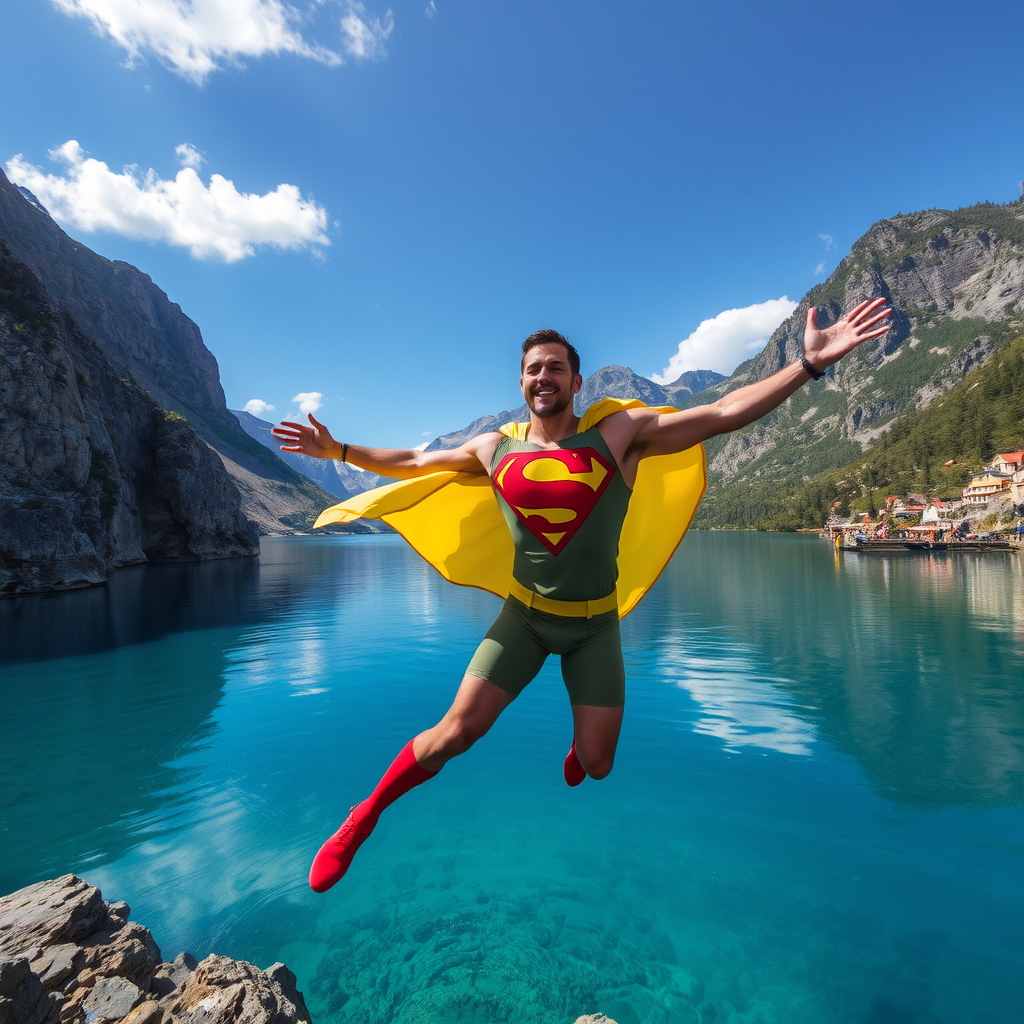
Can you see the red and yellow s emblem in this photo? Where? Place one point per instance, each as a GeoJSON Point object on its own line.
{"type": "Point", "coordinates": [553, 492]}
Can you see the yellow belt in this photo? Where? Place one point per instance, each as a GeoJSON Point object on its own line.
{"type": "Point", "coordinates": [575, 609]}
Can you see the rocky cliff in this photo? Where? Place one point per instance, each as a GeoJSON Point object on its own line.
{"type": "Point", "coordinates": [956, 282]}
{"type": "Point", "coordinates": [147, 337]}
{"type": "Point", "coordinates": [93, 474]}
{"type": "Point", "coordinates": [69, 957]}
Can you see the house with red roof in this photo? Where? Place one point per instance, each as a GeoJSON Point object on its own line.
{"type": "Point", "coordinates": [1008, 462]}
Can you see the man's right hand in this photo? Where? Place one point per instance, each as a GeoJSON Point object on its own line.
{"type": "Point", "coordinates": [315, 440]}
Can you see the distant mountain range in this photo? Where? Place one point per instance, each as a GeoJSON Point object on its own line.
{"type": "Point", "coordinates": [328, 474]}
{"type": "Point", "coordinates": [954, 278]}
{"type": "Point", "coordinates": [608, 382]}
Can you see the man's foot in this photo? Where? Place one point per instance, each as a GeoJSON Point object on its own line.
{"type": "Point", "coordinates": [573, 771]}
{"type": "Point", "coordinates": [334, 857]}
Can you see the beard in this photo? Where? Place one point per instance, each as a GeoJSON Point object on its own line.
{"type": "Point", "coordinates": [555, 410]}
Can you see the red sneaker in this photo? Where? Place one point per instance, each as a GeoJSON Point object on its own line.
{"type": "Point", "coordinates": [573, 771]}
{"type": "Point", "coordinates": [334, 857]}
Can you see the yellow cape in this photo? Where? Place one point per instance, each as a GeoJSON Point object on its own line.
{"type": "Point", "coordinates": [453, 519]}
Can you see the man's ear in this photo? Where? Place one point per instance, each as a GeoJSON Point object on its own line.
{"type": "Point", "coordinates": [577, 383]}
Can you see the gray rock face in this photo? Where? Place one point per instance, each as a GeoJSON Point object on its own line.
{"type": "Point", "coordinates": [956, 282]}
{"type": "Point", "coordinates": [23, 997]}
{"type": "Point", "coordinates": [147, 338]}
{"type": "Point", "coordinates": [93, 475]}
{"type": "Point", "coordinates": [68, 957]}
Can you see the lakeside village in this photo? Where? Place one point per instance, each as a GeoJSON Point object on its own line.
{"type": "Point", "coordinates": [988, 515]}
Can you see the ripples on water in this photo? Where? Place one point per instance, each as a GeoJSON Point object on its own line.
{"type": "Point", "coordinates": [815, 814]}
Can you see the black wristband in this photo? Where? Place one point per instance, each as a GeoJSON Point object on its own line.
{"type": "Point", "coordinates": [811, 371]}
{"type": "Point", "coordinates": [344, 452]}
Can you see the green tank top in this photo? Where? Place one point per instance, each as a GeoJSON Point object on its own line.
{"type": "Point", "coordinates": [564, 507]}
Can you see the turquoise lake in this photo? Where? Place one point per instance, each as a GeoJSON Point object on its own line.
{"type": "Point", "coordinates": [816, 815]}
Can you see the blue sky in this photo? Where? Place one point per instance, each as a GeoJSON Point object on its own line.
{"type": "Point", "coordinates": [460, 174]}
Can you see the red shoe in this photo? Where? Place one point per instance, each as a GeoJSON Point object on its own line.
{"type": "Point", "coordinates": [572, 770]}
{"type": "Point", "coordinates": [334, 857]}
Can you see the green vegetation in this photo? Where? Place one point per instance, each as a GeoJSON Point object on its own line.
{"type": "Point", "coordinates": [982, 415]}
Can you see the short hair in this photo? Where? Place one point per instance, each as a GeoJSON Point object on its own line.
{"type": "Point", "coordinates": [549, 337]}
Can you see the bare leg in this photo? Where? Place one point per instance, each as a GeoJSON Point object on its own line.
{"type": "Point", "coordinates": [475, 709]}
{"type": "Point", "coordinates": [596, 736]}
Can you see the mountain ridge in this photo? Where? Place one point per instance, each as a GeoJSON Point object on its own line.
{"type": "Point", "coordinates": [147, 336]}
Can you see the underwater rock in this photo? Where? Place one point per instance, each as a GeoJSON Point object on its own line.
{"type": "Point", "coordinates": [67, 955]}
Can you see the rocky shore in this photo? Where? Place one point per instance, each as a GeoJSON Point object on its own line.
{"type": "Point", "coordinates": [69, 957]}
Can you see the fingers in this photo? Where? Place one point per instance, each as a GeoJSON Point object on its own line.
{"type": "Point", "coordinates": [863, 309]}
{"type": "Point", "coordinates": [313, 420]}
{"type": "Point", "coordinates": [286, 435]}
{"type": "Point", "coordinates": [875, 319]}
{"type": "Point", "coordinates": [876, 334]}
{"type": "Point", "coordinates": [297, 450]}
{"type": "Point", "coordinates": [289, 423]}
{"type": "Point", "coordinates": [812, 319]}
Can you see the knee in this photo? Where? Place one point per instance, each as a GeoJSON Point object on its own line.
{"type": "Point", "coordinates": [599, 767]}
{"type": "Point", "coordinates": [459, 736]}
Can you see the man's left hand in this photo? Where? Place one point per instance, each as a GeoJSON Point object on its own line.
{"type": "Point", "coordinates": [825, 347]}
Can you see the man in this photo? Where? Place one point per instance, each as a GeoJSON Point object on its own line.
{"type": "Point", "coordinates": [564, 494]}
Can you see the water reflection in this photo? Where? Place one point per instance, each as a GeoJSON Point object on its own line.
{"type": "Point", "coordinates": [110, 694]}
{"type": "Point", "coordinates": [912, 664]}
{"type": "Point", "coordinates": [741, 703]}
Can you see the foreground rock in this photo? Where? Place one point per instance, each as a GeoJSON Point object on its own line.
{"type": "Point", "coordinates": [69, 957]}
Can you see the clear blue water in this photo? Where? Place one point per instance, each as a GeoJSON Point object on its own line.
{"type": "Point", "coordinates": [816, 813]}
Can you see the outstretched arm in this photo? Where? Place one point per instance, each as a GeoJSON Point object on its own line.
{"type": "Point", "coordinates": [317, 442]}
{"type": "Point", "coordinates": [663, 434]}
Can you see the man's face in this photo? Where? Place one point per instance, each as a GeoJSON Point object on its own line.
{"type": "Point", "coordinates": [548, 383]}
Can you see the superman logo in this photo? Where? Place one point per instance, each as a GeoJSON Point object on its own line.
{"type": "Point", "coordinates": [553, 492]}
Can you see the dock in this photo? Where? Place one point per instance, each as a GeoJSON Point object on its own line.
{"type": "Point", "coordinates": [888, 546]}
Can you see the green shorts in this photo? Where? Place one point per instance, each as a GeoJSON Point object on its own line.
{"type": "Point", "coordinates": [521, 638]}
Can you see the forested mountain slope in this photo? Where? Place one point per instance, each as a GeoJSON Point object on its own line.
{"type": "Point", "coordinates": [956, 282]}
{"type": "Point", "coordinates": [978, 417]}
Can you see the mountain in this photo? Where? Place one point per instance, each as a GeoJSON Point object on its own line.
{"type": "Point", "coordinates": [955, 279]}
{"type": "Point", "coordinates": [328, 474]}
{"type": "Point", "coordinates": [932, 451]}
{"type": "Point", "coordinates": [608, 382]}
{"type": "Point", "coordinates": [956, 282]}
{"type": "Point", "coordinates": [93, 474]}
{"type": "Point", "coordinates": [145, 335]}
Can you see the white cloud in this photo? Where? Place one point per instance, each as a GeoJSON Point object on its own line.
{"type": "Point", "coordinates": [189, 156]}
{"type": "Point", "coordinates": [365, 34]}
{"type": "Point", "coordinates": [214, 220]}
{"type": "Point", "coordinates": [820, 268]}
{"type": "Point", "coordinates": [421, 447]}
{"type": "Point", "coordinates": [197, 37]}
{"type": "Point", "coordinates": [309, 401]}
{"type": "Point", "coordinates": [723, 342]}
{"type": "Point", "coordinates": [257, 407]}
{"type": "Point", "coordinates": [431, 10]}
{"type": "Point", "coordinates": [827, 239]}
